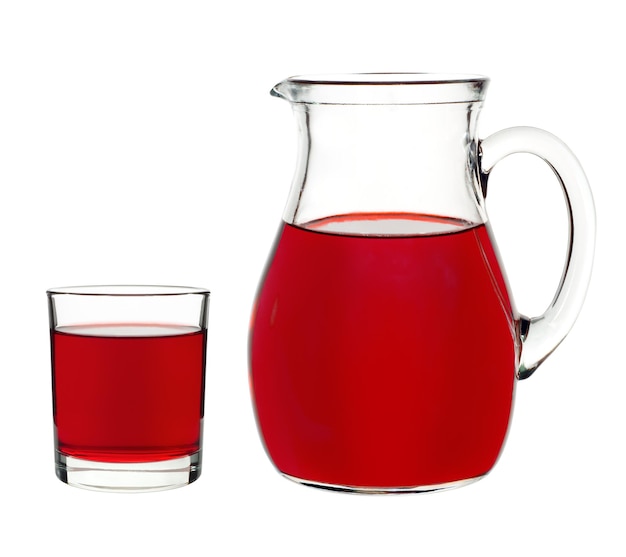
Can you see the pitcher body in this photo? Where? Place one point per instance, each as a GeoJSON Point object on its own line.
{"type": "Point", "coordinates": [384, 344]}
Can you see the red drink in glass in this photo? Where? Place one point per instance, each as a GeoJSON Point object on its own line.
{"type": "Point", "coordinates": [128, 394]}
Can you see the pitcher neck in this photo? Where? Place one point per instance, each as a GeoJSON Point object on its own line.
{"type": "Point", "coordinates": [373, 157]}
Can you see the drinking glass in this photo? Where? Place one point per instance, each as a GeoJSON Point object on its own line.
{"type": "Point", "coordinates": [128, 373]}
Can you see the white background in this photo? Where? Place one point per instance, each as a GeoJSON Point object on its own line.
{"type": "Point", "coordinates": [139, 144]}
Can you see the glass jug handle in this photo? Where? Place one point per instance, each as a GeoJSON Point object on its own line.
{"type": "Point", "coordinates": [541, 335]}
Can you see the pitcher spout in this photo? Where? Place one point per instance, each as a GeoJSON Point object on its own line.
{"type": "Point", "coordinates": [281, 90]}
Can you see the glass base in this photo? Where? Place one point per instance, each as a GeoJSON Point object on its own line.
{"type": "Point", "coordinates": [386, 490]}
{"type": "Point", "coordinates": [128, 476]}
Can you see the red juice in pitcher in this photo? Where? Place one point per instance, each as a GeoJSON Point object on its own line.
{"type": "Point", "coordinates": [383, 360]}
{"type": "Point", "coordinates": [128, 393]}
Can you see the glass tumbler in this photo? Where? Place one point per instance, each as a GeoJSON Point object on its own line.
{"type": "Point", "coordinates": [128, 373]}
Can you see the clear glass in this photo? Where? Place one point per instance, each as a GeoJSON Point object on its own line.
{"type": "Point", "coordinates": [385, 344]}
{"type": "Point", "coordinates": [128, 373]}
{"type": "Point", "coordinates": [385, 143]}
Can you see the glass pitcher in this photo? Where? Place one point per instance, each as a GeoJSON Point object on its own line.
{"type": "Point", "coordinates": [385, 344]}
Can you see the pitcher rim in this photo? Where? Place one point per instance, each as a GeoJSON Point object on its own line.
{"type": "Point", "coordinates": [382, 88]}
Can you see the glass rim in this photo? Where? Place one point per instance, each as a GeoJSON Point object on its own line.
{"type": "Point", "coordinates": [127, 290]}
{"type": "Point", "coordinates": [382, 88]}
